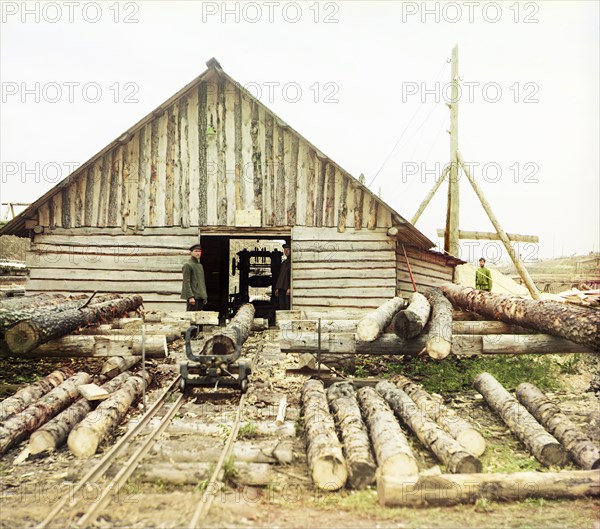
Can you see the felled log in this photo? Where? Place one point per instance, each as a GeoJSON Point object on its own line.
{"type": "Point", "coordinates": [488, 327]}
{"type": "Point", "coordinates": [250, 474]}
{"type": "Point", "coordinates": [578, 324]}
{"type": "Point", "coordinates": [28, 395]}
{"type": "Point", "coordinates": [467, 435]}
{"type": "Point", "coordinates": [439, 340]}
{"type": "Point", "coordinates": [54, 433]}
{"type": "Point", "coordinates": [374, 323]}
{"type": "Point", "coordinates": [354, 435]}
{"type": "Point", "coordinates": [451, 489]}
{"type": "Point", "coordinates": [447, 449]}
{"type": "Point", "coordinates": [231, 339]}
{"type": "Point", "coordinates": [335, 361]}
{"type": "Point", "coordinates": [84, 439]}
{"type": "Point", "coordinates": [21, 425]}
{"type": "Point", "coordinates": [260, 324]}
{"type": "Point", "coordinates": [75, 345]}
{"type": "Point", "coordinates": [324, 451]}
{"type": "Point", "coordinates": [170, 332]}
{"type": "Point", "coordinates": [410, 322]}
{"type": "Point", "coordinates": [462, 344]}
{"type": "Point", "coordinates": [291, 328]}
{"type": "Point", "coordinates": [201, 317]}
{"type": "Point", "coordinates": [392, 451]}
{"type": "Point", "coordinates": [29, 334]}
{"type": "Point", "coordinates": [580, 447]}
{"type": "Point", "coordinates": [118, 364]}
{"type": "Point", "coordinates": [11, 316]}
{"type": "Point", "coordinates": [545, 448]}
{"type": "Point", "coordinates": [36, 300]}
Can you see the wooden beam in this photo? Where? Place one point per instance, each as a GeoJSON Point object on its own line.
{"type": "Point", "coordinates": [451, 245]}
{"type": "Point", "coordinates": [489, 236]}
{"type": "Point", "coordinates": [535, 294]}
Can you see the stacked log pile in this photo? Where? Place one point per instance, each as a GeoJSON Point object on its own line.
{"type": "Point", "coordinates": [28, 323]}
{"type": "Point", "coordinates": [48, 410]}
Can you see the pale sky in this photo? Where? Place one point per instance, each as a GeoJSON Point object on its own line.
{"type": "Point", "coordinates": [351, 77]}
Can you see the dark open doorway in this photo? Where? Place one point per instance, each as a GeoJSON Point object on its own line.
{"type": "Point", "coordinates": [241, 269]}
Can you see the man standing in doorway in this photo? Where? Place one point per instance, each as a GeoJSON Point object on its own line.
{"type": "Point", "coordinates": [483, 277]}
{"type": "Point", "coordinates": [194, 285]}
{"type": "Point", "coordinates": [282, 285]}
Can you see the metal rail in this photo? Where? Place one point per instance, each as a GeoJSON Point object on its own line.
{"type": "Point", "coordinates": [103, 465]}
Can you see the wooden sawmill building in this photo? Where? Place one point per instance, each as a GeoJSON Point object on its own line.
{"type": "Point", "coordinates": [214, 164]}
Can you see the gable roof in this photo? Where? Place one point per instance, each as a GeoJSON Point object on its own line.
{"type": "Point", "coordinates": [407, 232]}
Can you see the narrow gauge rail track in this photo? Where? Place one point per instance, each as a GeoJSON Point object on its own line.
{"type": "Point", "coordinates": [112, 486]}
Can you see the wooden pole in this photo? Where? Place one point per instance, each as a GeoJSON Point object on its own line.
{"type": "Point", "coordinates": [429, 195]}
{"type": "Point", "coordinates": [451, 237]}
{"type": "Point", "coordinates": [490, 236]}
{"type": "Point", "coordinates": [535, 294]}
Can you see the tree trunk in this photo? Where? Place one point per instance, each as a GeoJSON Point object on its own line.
{"type": "Point", "coordinates": [374, 323]}
{"type": "Point", "coordinates": [458, 428]}
{"type": "Point", "coordinates": [291, 328]}
{"type": "Point", "coordinates": [344, 362]}
{"type": "Point", "coordinates": [29, 301]}
{"type": "Point", "coordinates": [324, 451]}
{"type": "Point", "coordinates": [445, 447]}
{"type": "Point", "coordinates": [26, 396]}
{"type": "Point", "coordinates": [354, 434]}
{"type": "Point", "coordinates": [450, 489]}
{"type": "Point", "coordinates": [21, 425]}
{"type": "Point", "coordinates": [392, 451]}
{"type": "Point", "coordinates": [488, 327]}
{"type": "Point", "coordinates": [439, 341]}
{"type": "Point", "coordinates": [171, 332]}
{"type": "Point", "coordinates": [75, 345]}
{"type": "Point", "coordinates": [27, 335]}
{"type": "Point", "coordinates": [54, 433]}
{"type": "Point", "coordinates": [410, 322]}
{"type": "Point", "coordinates": [578, 324]}
{"type": "Point", "coordinates": [545, 448]}
{"type": "Point", "coordinates": [84, 439]}
{"type": "Point", "coordinates": [231, 339]}
{"type": "Point", "coordinates": [580, 446]}
{"type": "Point", "coordinates": [11, 316]}
{"type": "Point", "coordinates": [118, 364]}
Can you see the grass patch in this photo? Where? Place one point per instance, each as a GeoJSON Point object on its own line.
{"type": "Point", "coordinates": [456, 374]}
{"type": "Point", "coordinates": [248, 431]}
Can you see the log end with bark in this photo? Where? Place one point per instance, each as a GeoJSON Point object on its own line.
{"type": "Point", "coordinates": [374, 323]}
{"type": "Point", "coordinates": [409, 323]}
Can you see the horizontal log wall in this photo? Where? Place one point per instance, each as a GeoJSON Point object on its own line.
{"type": "Point", "coordinates": [429, 269]}
{"type": "Point", "coordinates": [211, 154]}
{"type": "Point", "coordinates": [353, 270]}
{"type": "Point", "coordinates": [82, 260]}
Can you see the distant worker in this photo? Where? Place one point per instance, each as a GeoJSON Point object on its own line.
{"type": "Point", "coordinates": [483, 277]}
{"type": "Point", "coordinates": [194, 285]}
{"type": "Point", "coordinates": [282, 285]}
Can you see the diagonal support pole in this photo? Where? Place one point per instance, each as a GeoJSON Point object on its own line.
{"type": "Point", "coordinates": [535, 293]}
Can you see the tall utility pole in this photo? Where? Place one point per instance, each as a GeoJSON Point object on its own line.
{"type": "Point", "coordinates": [451, 245]}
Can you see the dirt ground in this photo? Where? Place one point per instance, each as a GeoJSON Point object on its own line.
{"type": "Point", "coordinates": [29, 490]}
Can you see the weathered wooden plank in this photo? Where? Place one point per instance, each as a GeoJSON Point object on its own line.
{"type": "Point", "coordinates": [341, 257]}
{"type": "Point", "coordinates": [240, 188]}
{"type": "Point", "coordinates": [247, 173]}
{"type": "Point", "coordinates": [114, 187]}
{"type": "Point", "coordinates": [44, 215]}
{"type": "Point", "coordinates": [154, 168]}
{"type": "Point", "coordinates": [326, 246]}
{"type": "Point", "coordinates": [310, 187]}
{"type": "Point", "coordinates": [79, 198]}
{"type": "Point", "coordinates": [343, 207]}
{"type": "Point", "coordinates": [334, 273]}
{"type": "Point", "coordinates": [85, 274]}
{"type": "Point", "coordinates": [358, 207]}
{"type": "Point", "coordinates": [280, 190]}
{"type": "Point", "coordinates": [308, 233]}
{"type": "Point", "coordinates": [320, 196]}
{"type": "Point", "coordinates": [161, 181]}
{"type": "Point", "coordinates": [269, 188]}
{"type": "Point", "coordinates": [151, 231]}
{"type": "Point", "coordinates": [112, 262]}
{"type": "Point", "coordinates": [292, 179]}
{"type": "Point", "coordinates": [257, 159]}
{"type": "Point", "coordinates": [330, 196]}
{"type": "Point", "coordinates": [351, 289]}
{"type": "Point", "coordinates": [221, 154]}
{"type": "Point", "coordinates": [310, 303]}
{"type": "Point", "coordinates": [89, 198]}
{"type": "Point", "coordinates": [168, 287]}
{"type": "Point", "coordinates": [125, 185]}
{"type": "Point", "coordinates": [170, 161]}
{"type": "Point", "coordinates": [208, 171]}
{"type": "Point", "coordinates": [372, 219]}
{"type": "Point", "coordinates": [123, 241]}
{"type": "Point", "coordinates": [66, 206]}
{"type": "Point", "coordinates": [320, 283]}
{"type": "Point", "coordinates": [230, 155]}
{"type": "Point", "coordinates": [102, 204]}
{"type": "Point", "coordinates": [184, 164]}
{"type": "Point", "coordinates": [194, 156]}
{"type": "Point", "coordinates": [144, 176]}
{"type": "Point", "coordinates": [302, 183]}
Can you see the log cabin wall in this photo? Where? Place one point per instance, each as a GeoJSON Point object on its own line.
{"type": "Point", "coordinates": [429, 269]}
